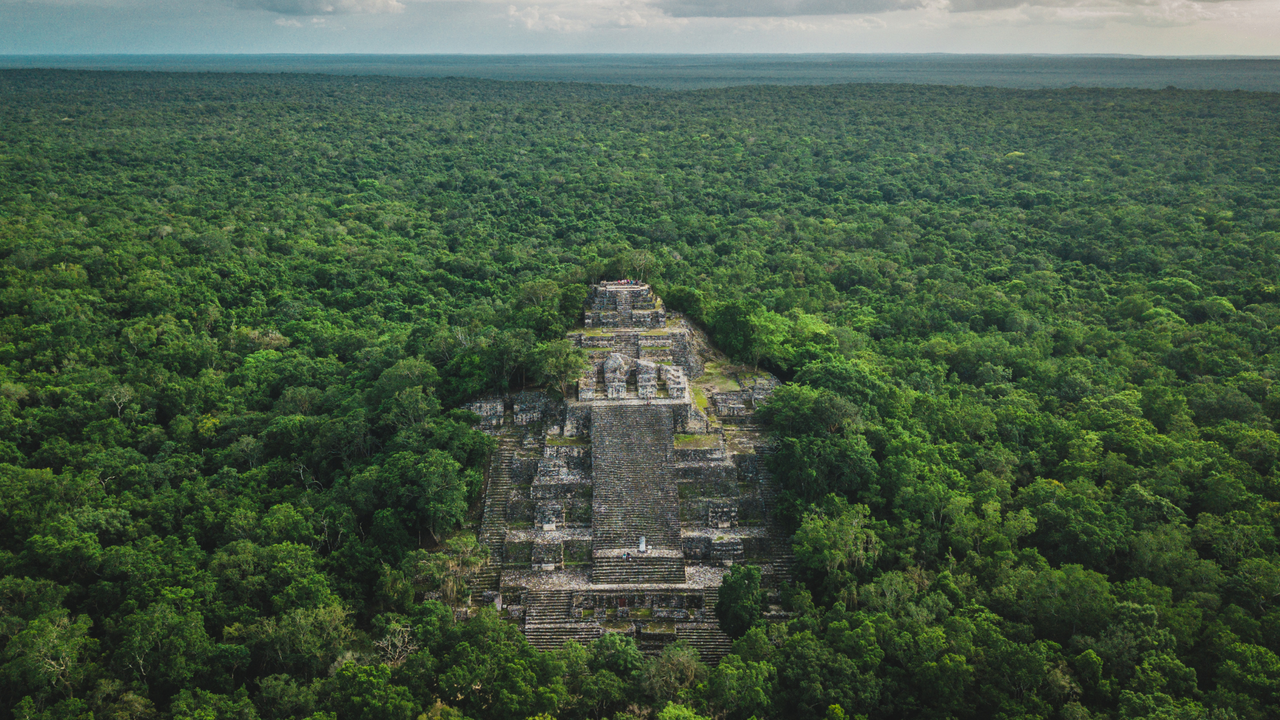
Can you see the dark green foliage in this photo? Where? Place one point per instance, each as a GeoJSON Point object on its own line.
{"type": "Point", "coordinates": [740, 601]}
{"type": "Point", "coordinates": [1029, 448]}
{"type": "Point", "coordinates": [366, 693]}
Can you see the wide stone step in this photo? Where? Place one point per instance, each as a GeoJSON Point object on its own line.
{"type": "Point", "coordinates": [550, 636]}
{"type": "Point", "coordinates": [620, 571]}
{"type": "Point", "coordinates": [635, 495]}
{"type": "Point", "coordinates": [710, 642]}
{"type": "Point", "coordinates": [547, 606]}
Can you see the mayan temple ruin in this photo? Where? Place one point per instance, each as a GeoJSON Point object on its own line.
{"type": "Point", "coordinates": [621, 509]}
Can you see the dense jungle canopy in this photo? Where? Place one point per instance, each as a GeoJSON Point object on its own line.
{"type": "Point", "coordinates": [1028, 439]}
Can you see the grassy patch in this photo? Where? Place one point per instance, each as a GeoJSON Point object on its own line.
{"type": "Point", "coordinates": [701, 398]}
{"type": "Point", "coordinates": [717, 379]}
{"type": "Point", "coordinates": [693, 442]}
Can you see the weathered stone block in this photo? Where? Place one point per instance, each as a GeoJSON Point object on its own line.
{"type": "Point", "coordinates": [751, 468]}
{"type": "Point", "coordinates": [520, 511]}
{"type": "Point", "coordinates": [517, 553]}
{"type": "Point", "coordinates": [577, 421]}
{"type": "Point", "coordinates": [722, 515]}
{"type": "Point", "coordinates": [577, 552]}
{"type": "Point", "coordinates": [577, 512]}
{"type": "Point", "coordinates": [726, 551]}
{"type": "Point", "coordinates": [696, 548]}
{"type": "Point", "coordinates": [490, 410]}
{"type": "Point", "coordinates": [549, 515]}
{"type": "Point", "coordinates": [547, 556]}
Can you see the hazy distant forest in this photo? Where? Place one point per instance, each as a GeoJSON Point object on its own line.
{"type": "Point", "coordinates": [1032, 341]}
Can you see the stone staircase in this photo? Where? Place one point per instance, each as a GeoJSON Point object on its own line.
{"type": "Point", "coordinates": [707, 638]}
{"type": "Point", "coordinates": [782, 559]}
{"type": "Point", "coordinates": [627, 343]}
{"type": "Point", "coordinates": [710, 596]}
{"type": "Point", "coordinates": [624, 309]}
{"type": "Point", "coordinates": [493, 526]}
{"type": "Point", "coordinates": [620, 571]}
{"type": "Point", "coordinates": [635, 495]}
{"type": "Point", "coordinates": [552, 635]}
{"type": "Point", "coordinates": [544, 607]}
{"type": "Point", "coordinates": [547, 624]}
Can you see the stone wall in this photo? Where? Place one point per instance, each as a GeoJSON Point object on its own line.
{"type": "Point", "coordinates": [758, 548]}
{"type": "Point", "coordinates": [530, 408]}
{"type": "Point", "coordinates": [732, 404]}
{"type": "Point", "coordinates": [577, 421]}
{"type": "Point", "coordinates": [689, 420]}
{"type": "Point", "coordinates": [699, 455]}
{"type": "Point", "coordinates": [685, 355]}
{"type": "Point", "coordinates": [632, 601]}
{"type": "Point", "coordinates": [726, 486]}
{"type": "Point", "coordinates": [722, 515]}
{"type": "Point", "coordinates": [517, 554]}
{"type": "Point", "coordinates": [490, 410]}
{"type": "Point", "coordinates": [646, 379]}
{"type": "Point", "coordinates": [717, 474]}
{"type": "Point", "coordinates": [524, 470]}
{"type": "Point", "coordinates": [727, 551]}
{"type": "Point", "coordinates": [672, 348]}
{"type": "Point", "coordinates": [560, 491]}
{"type": "Point", "coordinates": [521, 511]}
{"type": "Point", "coordinates": [549, 515]}
{"type": "Point", "coordinates": [622, 304]}
{"type": "Point", "coordinates": [751, 468]}
{"type": "Point", "coordinates": [709, 550]}
{"type": "Point", "coordinates": [547, 555]}
{"type": "Point", "coordinates": [577, 552]}
{"type": "Point", "coordinates": [677, 383]}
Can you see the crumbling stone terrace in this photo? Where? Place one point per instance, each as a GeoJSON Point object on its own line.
{"type": "Point", "coordinates": [620, 508]}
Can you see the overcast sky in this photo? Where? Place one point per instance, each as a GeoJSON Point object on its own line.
{"type": "Point", "coordinates": [1147, 27]}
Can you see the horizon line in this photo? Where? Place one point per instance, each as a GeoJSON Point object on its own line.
{"type": "Point", "coordinates": [1135, 56]}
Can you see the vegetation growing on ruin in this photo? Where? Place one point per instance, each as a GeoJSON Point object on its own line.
{"type": "Point", "coordinates": [1028, 445]}
{"type": "Point", "coordinates": [694, 442]}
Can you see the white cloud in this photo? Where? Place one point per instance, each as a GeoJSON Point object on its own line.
{"type": "Point", "coordinates": [1053, 26]}
{"type": "Point", "coordinates": [1088, 14]}
{"type": "Point", "coordinates": [570, 16]}
{"type": "Point", "coordinates": [321, 7]}
{"type": "Point", "coordinates": [780, 8]}
{"type": "Point", "coordinates": [582, 15]}
{"type": "Point", "coordinates": [536, 18]}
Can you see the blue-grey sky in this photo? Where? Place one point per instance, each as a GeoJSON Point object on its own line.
{"type": "Point", "coordinates": [1148, 27]}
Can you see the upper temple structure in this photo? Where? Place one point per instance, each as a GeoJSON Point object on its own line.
{"type": "Point", "coordinates": [621, 509]}
{"type": "Point", "coordinates": [624, 304]}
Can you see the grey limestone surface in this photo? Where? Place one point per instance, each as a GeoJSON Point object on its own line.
{"type": "Point", "coordinates": [583, 480]}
